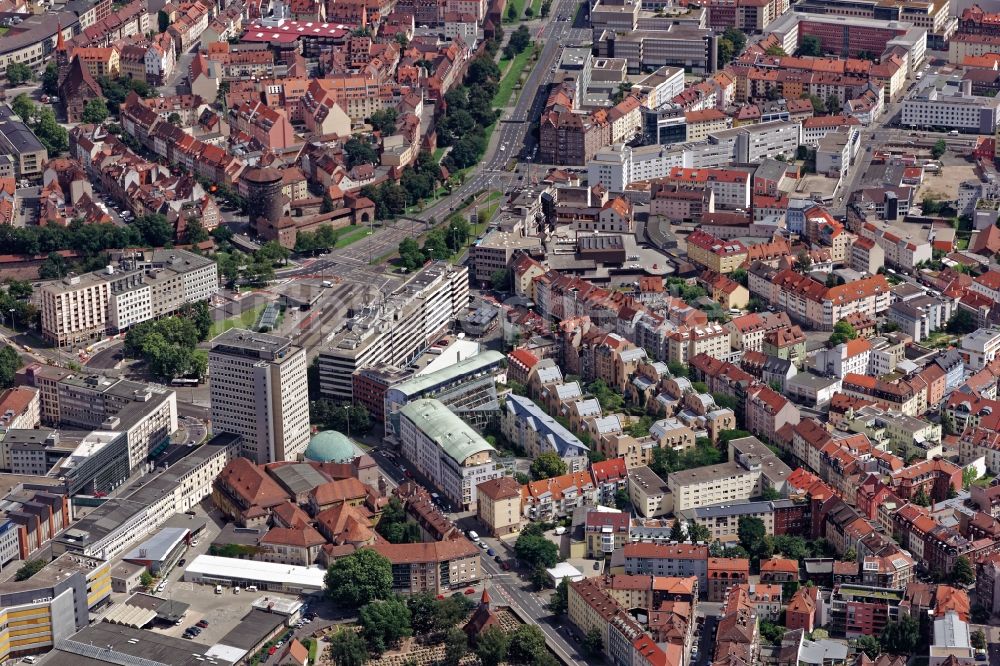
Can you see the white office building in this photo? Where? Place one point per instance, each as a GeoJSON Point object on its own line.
{"type": "Point", "coordinates": [258, 391]}
{"type": "Point", "coordinates": [446, 450]}
{"type": "Point", "coordinates": [396, 330]}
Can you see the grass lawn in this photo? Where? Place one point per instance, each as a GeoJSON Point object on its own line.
{"type": "Point", "coordinates": [983, 482]}
{"type": "Point", "coordinates": [351, 234]}
{"type": "Point", "coordinates": [506, 88]}
{"type": "Point", "coordinates": [536, 5]}
{"type": "Point", "coordinates": [246, 319]}
{"type": "Point", "coordinates": [516, 4]}
{"type": "Point", "coordinates": [313, 646]}
{"type": "Point", "coordinates": [438, 154]}
{"type": "Point", "coordinates": [4, 31]}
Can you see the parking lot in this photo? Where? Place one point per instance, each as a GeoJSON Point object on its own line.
{"type": "Point", "coordinates": [222, 611]}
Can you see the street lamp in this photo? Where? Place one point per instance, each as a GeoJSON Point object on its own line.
{"type": "Point", "coordinates": [13, 325]}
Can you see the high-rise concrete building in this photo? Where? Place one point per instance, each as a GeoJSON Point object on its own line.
{"type": "Point", "coordinates": [395, 330]}
{"type": "Point", "coordinates": [258, 391]}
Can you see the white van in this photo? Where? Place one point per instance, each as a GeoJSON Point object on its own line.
{"type": "Point", "coordinates": [251, 588]}
{"type": "Point", "coordinates": [218, 589]}
{"type": "Point", "coordinates": [473, 535]}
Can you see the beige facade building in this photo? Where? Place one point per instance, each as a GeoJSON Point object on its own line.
{"type": "Point", "coordinates": [75, 309]}
{"type": "Point", "coordinates": [258, 391]}
{"type": "Point", "coordinates": [437, 567]}
{"type": "Point", "coordinates": [714, 484]}
{"type": "Point", "coordinates": [496, 250]}
{"type": "Point", "coordinates": [499, 506]}
{"type": "Point", "coordinates": [649, 494]}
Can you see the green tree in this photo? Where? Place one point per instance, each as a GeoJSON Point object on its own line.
{"type": "Point", "coordinates": [29, 569]}
{"type": "Point", "coordinates": [23, 107]}
{"type": "Point", "coordinates": [155, 229]}
{"type": "Point", "coordinates": [547, 465]}
{"type": "Point", "coordinates": [753, 537]}
{"type": "Point", "coordinates": [50, 79]}
{"type": "Point", "coordinates": [961, 322]}
{"type": "Point", "coordinates": [697, 532]}
{"type": "Point", "coordinates": [456, 646]}
{"type": "Point", "coordinates": [384, 121]}
{"type": "Point", "coordinates": [850, 555]}
{"type": "Point", "coordinates": [771, 632]}
{"type": "Point", "coordinates": [775, 50]}
{"type": "Point", "coordinates": [901, 636]}
{"type": "Point", "coordinates": [529, 12]}
{"type": "Point", "coordinates": [146, 580]}
{"type": "Point", "coordinates": [621, 499]}
{"type": "Point", "coordinates": [533, 548]}
{"type": "Point", "coordinates": [95, 111]}
{"type": "Point", "coordinates": [978, 639]}
{"type": "Point", "coordinates": [492, 646]}
{"type": "Point", "coordinates": [737, 38]}
{"type": "Point", "coordinates": [10, 363]}
{"type": "Point", "coordinates": [347, 648]}
{"type": "Point", "coordinates": [359, 578]}
{"type": "Point", "coordinates": [359, 152]}
{"type": "Point", "coordinates": [384, 624]}
{"type": "Point", "coordinates": [869, 645]}
{"type": "Point", "coordinates": [725, 51]}
{"type": "Point", "coordinates": [559, 602]}
{"type": "Point", "coordinates": [502, 279]}
{"type": "Point", "coordinates": [527, 645]}
{"type": "Point", "coordinates": [677, 531]}
{"type": "Point", "coordinates": [939, 148]}
{"type": "Point", "coordinates": [842, 332]}
{"type": "Point", "coordinates": [921, 498]}
{"type": "Point", "coordinates": [162, 21]}
{"type": "Point", "coordinates": [18, 73]}
{"type": "Point", "coordinates": [833, 104]}
{"type": "Point", "coordinates": [593, 642]}
{"type": "Point", "coordinates": [423, 609]}
{"type": "Point", "coordinates": [962, 573]}
{"type": "Point", "coordinates": [511, 13]}
{"type": "Point", "coordinates": [677, 369]}
{"type": "Point", "coordinates": [769, 493]}
{"type": "Point", "coordinates": [451, 610]}
{"type": "Point", "coordinates": [810, 46]}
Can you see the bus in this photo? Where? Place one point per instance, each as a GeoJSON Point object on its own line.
{"type": "Point", "coordinates": [184, 381]}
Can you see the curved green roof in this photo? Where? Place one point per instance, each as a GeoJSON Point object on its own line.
{"type": "Point", "coordinates": [332, 446]}
{"type": "Point", "coordinates": [455, 437]}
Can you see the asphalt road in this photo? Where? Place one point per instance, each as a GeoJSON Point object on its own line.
{"type": "Point", "coordinates": [507, 588]}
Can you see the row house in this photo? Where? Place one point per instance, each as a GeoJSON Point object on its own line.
{"type": "Point", "coordinates": [189, 21]}
{"type": "Point", "coordinates": [901, 395]}
{"type": "Point", "coordinates": [747, 331]}
{"type": "Point", "coordinates": [815, 304]}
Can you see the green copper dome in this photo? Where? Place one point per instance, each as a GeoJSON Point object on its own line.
{"type": "Point", "coordinates": [332, 446]}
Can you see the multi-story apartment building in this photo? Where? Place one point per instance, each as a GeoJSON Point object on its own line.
{"type": "Point", "coordinates": [685, 344]}
{"type": "Point", "coordinates": [437, 567]}
{"type": "Point", "coordinates": [605, 532]}
{"type": "Point", "coordinates": [648, 493]}
{"type": "Point", "coordinates": [714, 484]}
{"type": "Point", "coordinates": [82, 308]}
{"type": "Point", "coordinates": [526, 425]}
{"type": "Point", "coordinates": [730, 186]}
{"type": "Point", "coordinates": [446, 450]}
{"type": "Point", "coordinates": [982, 347]}
{"type": "Point", "coordinates": [859, 610]}
{"type": "Point", "coordinates": [677, 560]}
{"type": "Point", "coordinates": [75, 309]}
{"type": "Point", "coordinates": [495, 251]}
{"type": "Point", "coordinates": [397, 329]}
{"type": "Point", "coordinates": [499, 505]}
{"type": "Point", "coordinates": [919, 317]}
{"type": "Point", "coordinates": [715, 254]}
{"type": "Point", "coordinates": [258, 391]}
{"type": "Point", "coordinates": [813, 303]}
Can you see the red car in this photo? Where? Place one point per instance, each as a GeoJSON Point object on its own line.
{"type": "Point", "coordinates": [470, 590]}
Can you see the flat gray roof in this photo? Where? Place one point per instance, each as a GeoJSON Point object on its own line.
{"type": "Point", "coordinates": [104, 643]}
